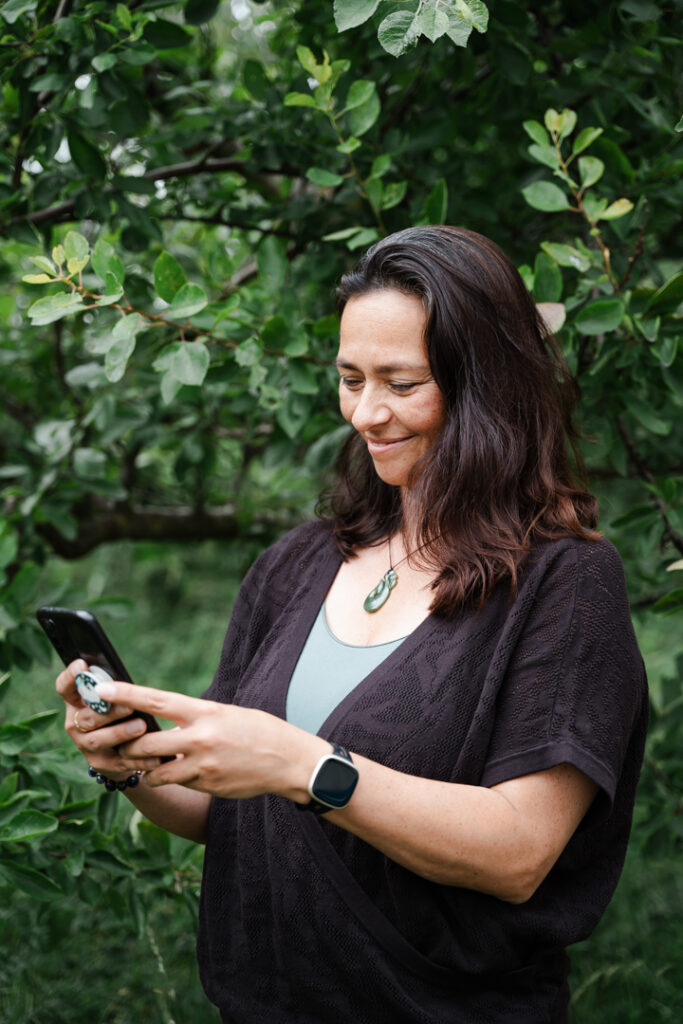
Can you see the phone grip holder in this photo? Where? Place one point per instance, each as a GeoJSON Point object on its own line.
{"type": "Point", "coordinates": [86, 684]}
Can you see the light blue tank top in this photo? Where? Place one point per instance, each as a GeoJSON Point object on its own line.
{"type": "Point", "coordinates": [327, 670]}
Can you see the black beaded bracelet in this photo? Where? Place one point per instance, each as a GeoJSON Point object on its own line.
{"type": "Point", "coordinates": [111, 785]}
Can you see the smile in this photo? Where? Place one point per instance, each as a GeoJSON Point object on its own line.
{"type": "Point", "coordinates": [376, 447]}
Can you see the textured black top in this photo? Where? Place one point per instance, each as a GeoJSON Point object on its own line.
{"type": "Point", "coordinates": [301, 921]}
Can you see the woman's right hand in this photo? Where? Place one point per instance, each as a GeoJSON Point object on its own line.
{"type": "Point", "coordinates": [97, 736]}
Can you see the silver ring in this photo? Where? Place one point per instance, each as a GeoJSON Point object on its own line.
{"type": "Point", "coordinates": [79, 727]}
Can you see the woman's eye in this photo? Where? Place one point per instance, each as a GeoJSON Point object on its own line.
{"type": "Point", "coordinates": [351, 382]}
{"type": "Point", "coordinates": [402, 389]}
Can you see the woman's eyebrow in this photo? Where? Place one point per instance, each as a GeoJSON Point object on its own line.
{"type": "Point", "coordinates": [386, 369]}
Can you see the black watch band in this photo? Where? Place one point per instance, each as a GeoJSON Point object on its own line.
{"type": "Point", "coordinates": [332, 782]}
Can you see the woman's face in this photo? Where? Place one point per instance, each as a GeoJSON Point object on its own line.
{"type": "Point", "coordinates": [386, 389]}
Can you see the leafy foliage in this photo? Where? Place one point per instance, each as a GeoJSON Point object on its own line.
{"type": "Point", "coordinates": [183, 184]}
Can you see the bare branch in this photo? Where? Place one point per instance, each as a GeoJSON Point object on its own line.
{"type": "Point", "coordinates": [99, 524]}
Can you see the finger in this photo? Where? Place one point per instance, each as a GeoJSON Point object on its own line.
{"type": "Point", "coordinates": [162, 703]}
{"type": "Point", "coordinates": [89, 720]}
{"type": "Point", "coordinates": [157, 744]}
{"type": "Point", "coordinates": [181, 772]}
{"type": "Point", "coordinates": [65, 683]}
{"type": "Point", "coordinates": [108, 738]}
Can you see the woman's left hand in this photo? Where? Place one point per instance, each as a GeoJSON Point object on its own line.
{"type": "Point", "coordinates": [221, 749]}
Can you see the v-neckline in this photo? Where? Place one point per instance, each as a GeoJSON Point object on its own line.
{"type": "Point", "coordinates": [329, 561]}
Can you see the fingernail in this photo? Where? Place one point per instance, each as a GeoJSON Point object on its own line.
{"type": "Point", "coordinates": [134, 727]}
{"type": "Point", "coordinates": [106, 690]}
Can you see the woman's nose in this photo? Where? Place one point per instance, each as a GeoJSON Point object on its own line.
{"type": "Point", "coordinates": [371, 410]}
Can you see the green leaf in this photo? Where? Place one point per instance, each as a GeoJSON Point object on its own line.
{"type": "Point", "coordinates": [106, 261]}
{"type": "Point", "coordinates": [166, 35]}
{"type": "Point", "coordinates": [668, 298]}
{"type": "Point", "coordinates": [127, 327]}
{"type": "Point", "coordinates": [543, 195]}
{"type": "Point", "coordinates": [198, 12]}
{"type": "Point", "coordinates": [359, 93]}
{"type": "Point", "coordinates": [169, 276]}
{"type": "Point", "coordinates": [36, 279]}
{"type": "Point", "coordinates": [89, 463]}
{"type": "Point", "coordinates": [397, 33]}
{"type": "Point", "coordinates": [546, 155]}
{"type": "Point", "coordinates": [28, 880]}
{"type": "Point", "coordinates": [670, 603]}
{"type": "Point", "coordinates": [43, 263]}
{"type": "Point", "coordinates": [475, 12]}
{"type": "Point", "coordinates": [54, 307]}
{"type": "Point", "coordinates": [394, 193]}
{"type": "Point", "coordinates": [104, 61]}
{"type": "Point", "coordinates": [326, 179]}
{"type": "Point", "coordinates": [432, 22]}
{"type": "Point", "coordinates": [616, 209]}
{"type": "Point", "coordinates": [27, 825]}
{"type": "Point", "coordinates": [366, 236]}
{"type": "Point", "coordinates": [299, 99]}
{"type": "Point", "coordinates": [646, 415]}
{"type": "Point", "coordinates": [58, 255]}
{"type": "Point", "coordinates": [547, 279]}
{"type": "Point", "coordinates": [117, 357]}
{"type": "Point", "coordinates": [351, 13]}
{"type": "Point", "coordinates": [459, 30]}
{"type": "Point", "coordinates": [272, 262]}
{"type": "Point", "coordinates": [190, 363]}
{"type": "Point", "coordinates": [380, 165]}
{"type": "Point", "coordinates": [600, 317]}
{"type": "Point", "coordinates": [436, 204]}
{"type": "Point", "coordinates": [77, 252]}
{"type": "Point", "coordinates": [170, 386]}
{"type": "Point", "coordinates": [341, 236]}
{"type": "Point", "coordinates": [362, 117]}
{"type": "Point", "coordinates": [537, 132]}
{"type": "Point", "coordinates": [584, 139]}
{"type": "Point", "coordinates": [86, 156]}
{"type": "Point", "coordinates": [11, 10]}
{"type": "Point", "coordinates": [566, 256]}
{"type": "Point", "coordinates": [8, 787]}
{"type": "Point", "coordinates": [302, 377]}
{"type": "Point", "coordinates": [590, 170]}
{"type": "Point", "coordinates": [188, 300]}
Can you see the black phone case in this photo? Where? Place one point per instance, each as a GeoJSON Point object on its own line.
{"type": "Point", "coordinates": [78, 634]}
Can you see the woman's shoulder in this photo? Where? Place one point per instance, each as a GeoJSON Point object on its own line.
{"type": "Point", "coordinates": [586, 553]}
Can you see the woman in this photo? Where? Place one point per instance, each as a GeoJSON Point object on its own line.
{"type": "Point", "coordinates": [454, 637]}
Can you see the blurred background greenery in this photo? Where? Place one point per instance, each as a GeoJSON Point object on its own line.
{"type": "Point", "coordinates": [255, 148]}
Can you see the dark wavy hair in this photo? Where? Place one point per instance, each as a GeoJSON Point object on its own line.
{"type": "Point", "coordinates": [505, 469]}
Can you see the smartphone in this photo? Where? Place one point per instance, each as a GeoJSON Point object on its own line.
{"type": "Point", "coordinates": [78, 634]}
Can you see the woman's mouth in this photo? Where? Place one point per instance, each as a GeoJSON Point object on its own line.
{"type": "Point", "coordinates": [388, 444]}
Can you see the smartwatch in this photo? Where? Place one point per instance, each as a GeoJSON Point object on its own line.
{"type": "Point", "coordinates": [332, 783]}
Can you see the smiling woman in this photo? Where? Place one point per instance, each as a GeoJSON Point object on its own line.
{"type": "Point", "coordinates": [467, 732]}
{"type": "Point", "coordinates": [386, 389]}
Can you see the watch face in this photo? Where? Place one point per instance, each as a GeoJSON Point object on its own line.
{"type": "Point", "coordinates": [335, 782]}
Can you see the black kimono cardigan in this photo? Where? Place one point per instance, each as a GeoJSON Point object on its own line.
{"type": "Point", "coordinates": [303, 922]}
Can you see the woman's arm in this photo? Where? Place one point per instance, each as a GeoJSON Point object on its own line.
{"type": "Point", "coordinates": [175, 808]}
{"type": "Point", "coordinates": [501, 841]}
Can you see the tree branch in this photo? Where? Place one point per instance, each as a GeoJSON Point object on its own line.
{"type": "Point", "coordinates": [65, 211]}
{"type": "Point", "coordinates": [638, 248]}
{"type": "Point", "coordinates": [100, 523]}
{"type": "Point", "coordinates": [646, 474]}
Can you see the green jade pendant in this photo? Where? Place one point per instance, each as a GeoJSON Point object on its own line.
{"type": "Point", "coordinates": [380, 594]}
